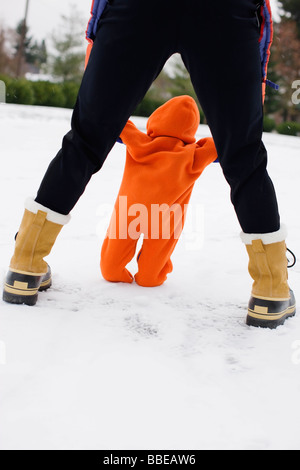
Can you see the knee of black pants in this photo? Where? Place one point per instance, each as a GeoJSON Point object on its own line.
{"type": "Point", "coordinates": [93, 140]}
{"type": "Point", "coordinates": [252, 193]}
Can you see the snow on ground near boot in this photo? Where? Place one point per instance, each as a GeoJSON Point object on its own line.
{"type": "Point", "coordinates": [96, 365]}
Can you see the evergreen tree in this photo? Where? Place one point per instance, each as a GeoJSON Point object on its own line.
{"type": "Point", "coordinates": [33, 52]}
{"type": "Point", "coordinates": [37, 54]}
{"type": "Point", "coordinates": [68, 41]}
{"type": "Point", "coordinates": [20, 30]}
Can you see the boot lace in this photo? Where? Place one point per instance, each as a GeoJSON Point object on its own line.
{"type": "Point", "coordinates": [292, 262]}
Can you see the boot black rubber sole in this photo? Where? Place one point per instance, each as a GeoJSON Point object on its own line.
{"type": "Point", "coordinates": [270, 314]}
{"type": "Point", "coordinates": [21, 288]}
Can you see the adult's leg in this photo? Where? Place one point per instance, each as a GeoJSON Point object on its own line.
{"type": "Point", "coordinates": [219, 45]}
{"type": "Point", "coordinates": [132, 44]}
{"type": "Point", "coordinates": [221, 52]}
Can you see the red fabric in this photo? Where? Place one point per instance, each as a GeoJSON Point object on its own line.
{"type": "Point", "coordinates": [88, 53]}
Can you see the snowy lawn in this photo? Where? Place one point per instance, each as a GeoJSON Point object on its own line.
{"type": "Point", "coordinates": [96, 365]}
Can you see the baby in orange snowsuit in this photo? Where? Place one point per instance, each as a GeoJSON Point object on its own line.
{"type": "Point", "coordinates": [161, 169]}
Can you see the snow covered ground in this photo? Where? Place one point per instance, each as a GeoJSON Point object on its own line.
{"type": "Point", "coordinates": [105, 366]}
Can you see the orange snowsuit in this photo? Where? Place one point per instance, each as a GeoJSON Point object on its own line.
{"type": "Point", "coordinates": [160, 172]}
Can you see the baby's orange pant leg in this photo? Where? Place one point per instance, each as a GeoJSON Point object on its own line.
{"type": "Point", "coordinates": [115, 255]}
{"type": "Point", "coordinates": [154, 262]}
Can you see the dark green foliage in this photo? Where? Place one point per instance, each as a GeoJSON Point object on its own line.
{"type": "Point", "coordinates": [289, 128]}
{"type": "Point", "coordinates": [147, 106]}
{"type": "Point", "coordinates": [19, 91]}
{"type": "Point", "coordinates": [70, 92]}
{"type": "Point", "coordinates": [269, 124]}
{"type": "Point", "coordinates": [5, 78]}
{"type": "Point", "coordinates": [40, 93]}
{"type": "Point", "coordinates": [48, 94]}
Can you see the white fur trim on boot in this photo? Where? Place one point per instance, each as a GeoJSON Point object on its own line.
{"type": "Point", "coordinates": [266, 238]}
{"type": "Point", "coordinates": [54, 217]}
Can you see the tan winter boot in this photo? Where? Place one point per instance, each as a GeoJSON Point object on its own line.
{"type": "Point", "coordinates": [272, 301]}
{"type": "Point", "coordinates": [28, 272]}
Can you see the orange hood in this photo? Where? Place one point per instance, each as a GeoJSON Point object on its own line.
{"type": "Point", "coordinates": [178, 118]}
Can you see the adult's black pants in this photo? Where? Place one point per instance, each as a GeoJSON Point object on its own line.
{"type": "Point", "coordinates": [219, 44]}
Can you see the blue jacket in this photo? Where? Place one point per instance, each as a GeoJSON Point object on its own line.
{"type": "Point", "coordinates": [96, 12]}
{"type": "Point", "coordinates": [266, 39]}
